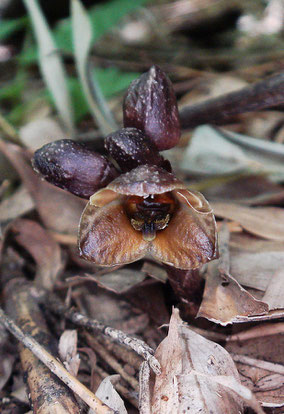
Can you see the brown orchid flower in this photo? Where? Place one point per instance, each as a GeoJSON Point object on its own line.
{"type": "Point", "coordinates": [148, 211]}
{"type": "Point", "coordinates": [137, 208]}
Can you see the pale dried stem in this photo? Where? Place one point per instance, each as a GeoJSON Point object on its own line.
{"type": "Point", "coordinates": [111, 361]}
{"type": "Point", "coordinates": [258, 363]}
{"type": "Point", "coordinates": [54, 365]}
{"type": "Point", "coordinates": [139, 346]}
{"type": "Point", "coordinates": [258, 332]}
{"type": "Point", "coordinates": [267, 93]}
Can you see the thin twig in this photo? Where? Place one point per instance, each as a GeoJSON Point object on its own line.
{"type": "Point", "coordinates": [258, 363]}
{"type": "Point", "coordinates": [144, 389]}
{"type": "Point", "coordinates": [218, 111]}
{"type": "Point", "coordinates": [111, 361]}
{"type": "Point", "coordinates": [139, 346]}
{"type": "Point", "coordinates": [55, 366]}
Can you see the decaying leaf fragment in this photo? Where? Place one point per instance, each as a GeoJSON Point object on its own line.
{"type": "Point", "coordinates": [67, 350]}
{"type": "Point", "coordinates": [225, 300]}
{"type": "Point", "coordinates": [198, 376]}
{"type": "Point", "coordinates": [108, 394]}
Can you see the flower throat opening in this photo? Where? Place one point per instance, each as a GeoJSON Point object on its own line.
{"type": "Point", "coordinates": [150, 214]}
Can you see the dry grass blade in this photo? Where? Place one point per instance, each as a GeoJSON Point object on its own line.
{"type": "Point", "coordinates": [82, 40]}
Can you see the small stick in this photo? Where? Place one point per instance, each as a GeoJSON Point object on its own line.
{"type": "Point", "coordinates": [218, 111]}
{"type": "Point", "coordinates": [111, 361]}
{"type": "Point", "coordinates": [125, 354]}
{"type": "Point", "coordinates": [144, 389]}
{"type": "Point", "coordinates": [139, 346]}
{"type": "Point", "coordinates": [55, 366]}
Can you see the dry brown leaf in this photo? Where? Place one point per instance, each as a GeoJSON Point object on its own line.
{"type": "Point", "coordinates": [264, 378]}
{"type": "Point", "coordinates": [6, 368]}
{"type": "Point", "coordinates": [274, 294]}
{"type": "Point", "coordinates": [43, 248]}
{"type": "Point", "coordinates": [67, 350]}
{"type": "Point", "coordinates": [18, 204]}
{"type": "Point", "coordinates": [225, 300]}
{"type": "Point", "coordinates": [41, 131]}
{"type": "Point", "coordinates": [107, 393]}
{"type": "Point", "coordinates": [266, 222]}
{"type": "Point", "coordinates": [198, 375]}
{"type": "Point", "coordinates": [119, 281]}
{"type": "Point", "coordinates": [60, 211]}
{"type": "Point", "coordinates": [254, 261]}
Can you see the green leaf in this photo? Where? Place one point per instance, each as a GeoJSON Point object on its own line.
{"type": "Point", "coordinates": [8, 27]}
{"type": "Point", "coordinates": [51, 64]}
{"type": "Point", "coordinates": [102, 18]}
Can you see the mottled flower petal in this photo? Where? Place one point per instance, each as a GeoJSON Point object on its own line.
{"type": "Point", "coordinates": [107, 238]}
{"type": "Point", "coordinates": [145, 180]}
{"type": "Point", "coordinates": [73, 167]}
{"type": "Point", "coordinates": [150, 105]}
{"type": "Point", "coordinates": [190, 240]}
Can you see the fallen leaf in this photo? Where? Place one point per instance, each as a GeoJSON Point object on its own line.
{"type": "Point", "coordinates": [107, 394]}
{"type": "Point", "coordinates": [198, 375]}
{"type": "Point", "coordinates": [266, 222]}
{"type": "Point", "coordinates": [60, 211]}
{"type": "Point", "coordinates": [254, 261]}
{"type": "Point", "coordinates": [67, 350]}
{"type": "Point", "coordinates": [41, 131]}
{"type": "Point", "coordinates": [43, 248]}
{"type": "Point", "coordinates": [218, 151]}
{"type": "Point", "coordinates": [6, 368]}
{"type": "Point", "coordinates": [274, 294]}
{"type": "Point", "coordinates": [119, 281]}
{"type": "Point", "coordinates": [224, 299]}
{"type": "Point", "coordinates": [18, 204]}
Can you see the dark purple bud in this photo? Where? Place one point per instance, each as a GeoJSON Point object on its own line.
{"type": "Point", "coordinates": [150, 105]}
{"type": "Point", "coordinates": [130, 148]}
{"type": "Point", "coordinates": [73, 167]}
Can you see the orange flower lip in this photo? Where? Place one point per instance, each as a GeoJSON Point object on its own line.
{"type": "Point", "coordinates": [148, 211]}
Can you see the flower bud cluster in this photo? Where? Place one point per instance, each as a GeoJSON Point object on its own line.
{"type": "Point", "coordinates": [137, 207]}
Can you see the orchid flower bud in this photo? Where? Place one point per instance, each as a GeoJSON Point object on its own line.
{"type": "Point", "coordinates": [131, 148]}
{"type": "Point", "coordinates": [150, 105]}
{"type": "Point", "coordinates": [73, 167]}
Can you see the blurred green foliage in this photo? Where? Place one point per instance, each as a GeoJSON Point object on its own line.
{"type": "Point", "coordinates": [103, 17]}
